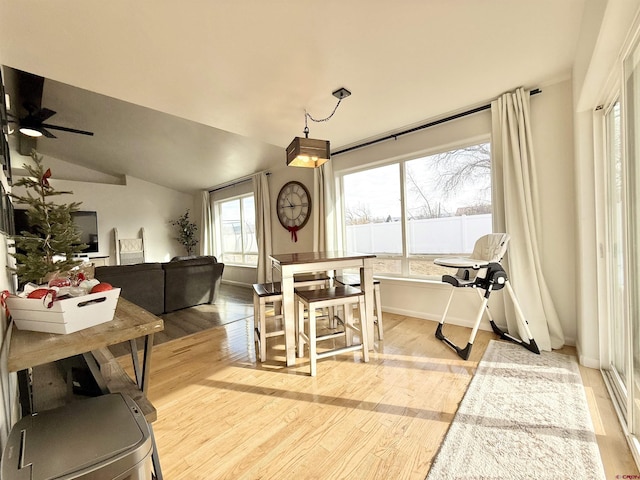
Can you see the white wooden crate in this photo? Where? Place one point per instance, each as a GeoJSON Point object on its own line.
{"type": "Point", "coordinates": [65, 316]}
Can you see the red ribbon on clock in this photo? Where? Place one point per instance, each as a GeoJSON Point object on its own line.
{"type": "Point", "coordinates": [293, 230]}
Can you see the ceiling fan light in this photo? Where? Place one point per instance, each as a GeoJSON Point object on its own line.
{"type": "Point", "coordinates": [308, 152]}
{"type": "Point", "coordinates": [30, 132]}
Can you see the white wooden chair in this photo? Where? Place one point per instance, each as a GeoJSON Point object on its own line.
{"type": "Point", "coordinates": [130, 251]}
{"type": "Point", "coordinates": [354, 281]}
{"type": "Point", "coordinates": [344, 296]}
{"type": "Point", "coordinates": [312, 280]}
{"type": "Point", "coordinates": [264, 293]}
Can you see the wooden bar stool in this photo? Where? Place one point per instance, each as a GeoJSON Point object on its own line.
{"type": "Point", "coordinates": [354, 281]}
{"type": "Point", "coordinates": [264, 293]}
{"type": "Point", "coordinates": [321, 279]}
{"type": "Point", "coordinates": [344, 296]}
{"type": "Point", "coordinates": [310, 281]}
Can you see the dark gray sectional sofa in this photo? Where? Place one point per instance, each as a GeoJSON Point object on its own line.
{"type": "Point", "coordinates": [165, 287]}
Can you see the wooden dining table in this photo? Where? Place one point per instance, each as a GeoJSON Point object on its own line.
{"type": "Point", "coordinates": [290, 264]}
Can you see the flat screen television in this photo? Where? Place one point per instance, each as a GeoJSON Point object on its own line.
{"type": "Point", "coordinates": [86, 221]}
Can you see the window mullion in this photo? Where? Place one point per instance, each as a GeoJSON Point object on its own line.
{"type": "Point", "coordinates": [403, 216]}
{"type": "Point", "coordinates": [242, 232]}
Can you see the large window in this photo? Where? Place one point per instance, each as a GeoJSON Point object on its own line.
{"type": "Point", "coordinates": [236, 230]}
{"type": "Point", "coordinates": [409, 212]}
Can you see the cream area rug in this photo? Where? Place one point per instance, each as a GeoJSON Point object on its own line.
{"type": "Point", "coordinates": [524, 416]}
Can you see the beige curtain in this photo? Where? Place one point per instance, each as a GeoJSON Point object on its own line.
{"type": "Point", "coordinates": [206, 222]}
{"type": "Point", "coordinates": [325, 229]}
{"type": "Point", "coordinates": [263, 225]}
{"type": "Point", "coordinates": [517, 212]}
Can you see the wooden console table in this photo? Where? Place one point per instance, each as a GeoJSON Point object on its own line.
{"type": "Point", "coordinates": [29, 349]}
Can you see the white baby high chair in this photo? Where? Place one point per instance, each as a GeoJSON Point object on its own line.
{"type": "Point", "coordinates": [483, 271]}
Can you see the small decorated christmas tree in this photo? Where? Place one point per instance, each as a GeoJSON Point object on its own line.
{"type": "Point", "coordinates": [50, 248]}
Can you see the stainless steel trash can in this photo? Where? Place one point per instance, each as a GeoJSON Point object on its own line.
{"type": "Point", "coordinates": [101, 438]}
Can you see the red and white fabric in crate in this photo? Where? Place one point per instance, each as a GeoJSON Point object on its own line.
{"type": "Point", "coordinates": [66, 315]}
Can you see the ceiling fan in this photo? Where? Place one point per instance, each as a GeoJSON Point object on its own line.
{"type": "Point", "coordinates": [33, 124]}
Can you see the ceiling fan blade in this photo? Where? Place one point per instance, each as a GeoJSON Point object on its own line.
{"type": "Point", "coordinates": [35, 117]}
{"type": "Point", "coordinates": [43, 114]}
{"type": "Point", "coordinates": [30, 107]}
{"type": "Point", "coordinates": [37, 113]}
{"type": "Point", "coordinates": [67, 129]}
{"type": "Point", "coordinates": [46, 133]}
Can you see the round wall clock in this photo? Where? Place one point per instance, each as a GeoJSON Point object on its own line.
{"type": "Point", "coordinates": [294, 206]}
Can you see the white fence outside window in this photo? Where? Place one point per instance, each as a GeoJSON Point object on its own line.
{"type": "Point", "coordinates": [447, 235]}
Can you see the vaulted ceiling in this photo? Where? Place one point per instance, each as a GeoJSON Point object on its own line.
{"type": "Point", "coordinates": [191, 95]}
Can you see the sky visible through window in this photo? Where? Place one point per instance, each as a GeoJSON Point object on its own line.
{"type": "Point", "coordinates": [441, 185]}
{"type": "Point", "coordinates": [375, 191]}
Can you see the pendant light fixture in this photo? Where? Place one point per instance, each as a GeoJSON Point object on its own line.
{"type": "Point", "coordinates": [309, 152]}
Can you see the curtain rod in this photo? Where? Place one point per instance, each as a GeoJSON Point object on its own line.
{"type": "Point", "coordinates": [233, 183]}
{"type": "Point", "coordinates": [421, 127]}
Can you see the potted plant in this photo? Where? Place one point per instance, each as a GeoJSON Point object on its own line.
{"type": "Point", "coordinates": [50, 247]}
{"type": "Point", "coordinates": [186, 232]}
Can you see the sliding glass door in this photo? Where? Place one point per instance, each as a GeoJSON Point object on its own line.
{"type": "Point", "coordinates": [622, 257]}
{"type": "Point", "coordinates": [616, 257]}
{"type": "Point", "coordinates": [632, 198]}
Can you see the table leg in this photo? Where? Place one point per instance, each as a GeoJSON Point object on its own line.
{"type": "Point", "coordinates": [366, 279]}
{"type": "Point", "coordinates": [134, 359]}
{"type": "Point", "coordinates": [142, 375]}
{"type": "Point", "coordinates": [288, 306]}
{"type": "Point", "coordinates": [94, 368]}
{"type": "Point", "coordinates": [25, 392]}
{"type": "Point", "coordinates": [146, 362]}
{"type": "Point", "coordinates": [142, 379]}
{"type": "Point", "coordinates": [157, 471]}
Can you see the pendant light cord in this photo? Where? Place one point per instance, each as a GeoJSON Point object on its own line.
{"type": "Point", "coordinates": [307, 115]}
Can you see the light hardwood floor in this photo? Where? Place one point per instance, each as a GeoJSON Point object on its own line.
{"type": "Point", "coordinates": [222, 415]}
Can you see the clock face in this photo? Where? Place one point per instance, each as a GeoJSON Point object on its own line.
{"type": "Point", "coordinates": [294, 205]}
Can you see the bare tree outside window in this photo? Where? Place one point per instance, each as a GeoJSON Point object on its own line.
{"type": "Point", "coordinates": [455, 182]}
{"type": "Point", "coordinates": [458, 168]}
{"type": "Point", "coordinates": [358, 214]}
{"type": "Point", "coordinates": [444, 207]}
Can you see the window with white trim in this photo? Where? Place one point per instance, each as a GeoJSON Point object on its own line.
{"type": "Point", "coordinates": [236, 230]}
{"type": "Point", "coordinates": [411, 211]}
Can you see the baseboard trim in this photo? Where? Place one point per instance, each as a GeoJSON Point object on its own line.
{"type": "Point", "coordinates": [237, 284]}
{"type": "Point", "coordinates": [461, 322]}
{"type": "Point", "coordinates": [588, 362]}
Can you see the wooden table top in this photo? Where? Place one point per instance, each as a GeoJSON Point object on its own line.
{"type": "Point", "coordinates": [28, 349]}
{"type": "Point", "coordinates": [311, 257]}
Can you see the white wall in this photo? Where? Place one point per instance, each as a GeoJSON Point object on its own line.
{"type": "Point", "coordinates": [127, 207]}
{"type": "Point", "coordinates": [281, 238]}
{"type": "Point", "coordinates": [9, 412]}
{"type": "Point", "coordinates": [130, 207]}
{"type": "Point", "coordinates": [552, 128]}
